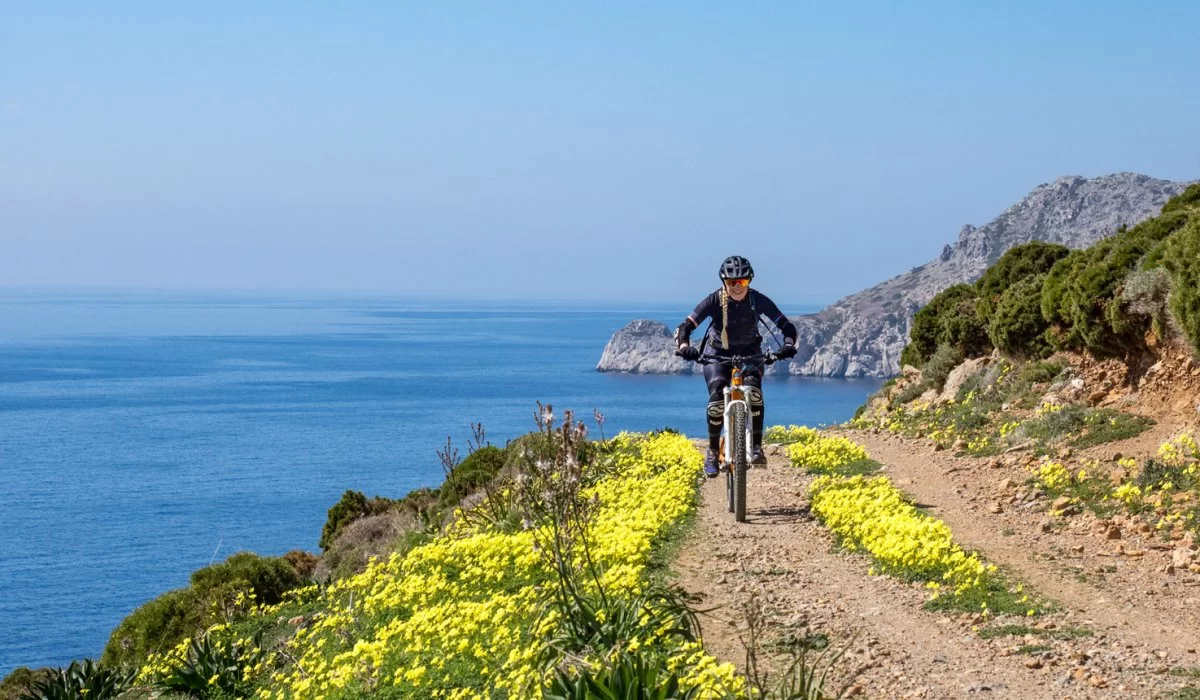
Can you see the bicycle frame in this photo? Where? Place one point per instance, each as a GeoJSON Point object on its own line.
{"type": "Point", "coordinates": [734, 394]}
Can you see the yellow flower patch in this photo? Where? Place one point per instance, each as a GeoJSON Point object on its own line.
{"type": "Point", "coordinates": [873, 516]}
{"type": "Point", "coordinates": [464, 615]}
{"type": "Point", "coordinates": [823, 454]}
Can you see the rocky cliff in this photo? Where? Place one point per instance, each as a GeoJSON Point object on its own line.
{"type": "Point", "coordinates": [862, 335]}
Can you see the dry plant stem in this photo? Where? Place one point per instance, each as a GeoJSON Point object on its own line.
{"type": "Point", "coordinates": [800, 681]}
{"type": "Point", "coordinates": [550, 495]}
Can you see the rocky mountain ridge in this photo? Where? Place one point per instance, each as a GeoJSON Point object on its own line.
{"type": "Point", "coordinates": [862, 335]}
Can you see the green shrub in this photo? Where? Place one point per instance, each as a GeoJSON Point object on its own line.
{"type": "Point", "coordinates": [480, 467]}
{"type": "Point", "coordinates": [1056, 297]}
{"type": "Point", "coordinates": [1146, 293]}
{"type": "Point", "coordinates": [1018, 263]}
{"type": "Point", "coordinates": [80, 680]}
{"type": "Point", "coordinates": [1110, 425]}
{"type": "Point", "coordinates": [1081, 298]}
{"type": "Point", "coordinates": [352, 506]}
{"type": "Point", "coordinates": [1056, 424]}
{"type": "Point", "coordinates": [1017, 327]}
{"type": "Point", "coordinates": [20, 680]}
{"type": "Point", "coordinates": [949, 318]}
{"type": "Point", "coordinates": [176, 615]}
{"type": "Point", "coordinates": [1182, 260]}
{"type": "Point", "coordinates": [268, 577]}
{"type": "Point", "coordinates": [971, 385]}
{"type": "Point", "coordinates": [157, 626]}
{"type": "Point", "coordinates": [910, 392]}
{"type": "Point", "coordinates": [1188, 198]}
{"type": "Point", "coordinates": [1040, 372]}
{"type": "Point", "coordinates": [939, 366]}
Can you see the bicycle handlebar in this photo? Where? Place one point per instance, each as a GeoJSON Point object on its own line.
{"type": "Point", "coordinates": [767, 358]}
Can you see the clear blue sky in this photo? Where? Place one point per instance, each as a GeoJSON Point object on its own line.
{"type": "Point", "coordinates": [560, 150]}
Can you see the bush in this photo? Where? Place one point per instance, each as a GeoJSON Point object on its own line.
{"type": "Point", "coordinates": [20, 680]}
{"type": "Point", "coordinates": [1146, 293]}
{"type": "Point", "coordinates": [1109, 425]}
{"type": "Point", "coordinates": [1188, 198]}
{"type": "Point", "coordinates": [1040, 372]}
{"type": "Point", "coordinates": [1019, 263]}
{"type": "Point", "coordinates": [480, 467]}
{"type": "Point", "coordinates": [910, 392]}
{"type": "Point", "coordinates": [157, 626]}
{"type": "Point", "coordinates": [949, 318]}
{"type": "Point", "coordinates": [303, 563]}
{"type": "Point", "coordinates": [940, 365]}
{"type": "Point", "coordinates": [1017, 327]}
{"type": "Point", "coordinates": [372, 536]}
{"type": "Point", "coordinates": [213, 596]}
{"type": "Point", "coordinates": [1182, 260]}
{"type": "Point", "coordinates": [1081, 297]}
{"type": "Point", "coordinates": [352, 506]}
{"type": "Point", "coordinates": [268, 577]}
{"type": "Point", "coordinates": [1057, 422]}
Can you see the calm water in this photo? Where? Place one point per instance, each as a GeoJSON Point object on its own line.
{"type": "Point", "coordinates": [144, 437]}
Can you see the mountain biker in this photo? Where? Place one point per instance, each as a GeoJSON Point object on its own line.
{"type": "Point", "coordinates": [734, 309]}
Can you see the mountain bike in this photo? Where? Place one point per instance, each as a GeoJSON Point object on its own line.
{"type": "Point", "coordinates": [737, 438]}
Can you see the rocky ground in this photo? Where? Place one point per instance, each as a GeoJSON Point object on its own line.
{"type": "Point", "coordinates": [1127, 623]}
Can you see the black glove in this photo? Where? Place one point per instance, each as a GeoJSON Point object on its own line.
{"type": "Point", "coordinates": [688, 353]}
{"type": "Point", "coordinates": [786, 351]}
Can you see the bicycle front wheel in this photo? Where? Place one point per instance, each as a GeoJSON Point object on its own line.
{"type": "Point", "coordinates": [738, 478]}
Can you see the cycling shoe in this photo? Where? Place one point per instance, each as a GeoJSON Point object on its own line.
{"type": "Point", "coordinates": [711, 465]}
{"type": "Point", "coordinates": [758, 459]}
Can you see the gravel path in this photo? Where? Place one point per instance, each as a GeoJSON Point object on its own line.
{"type": "Point", "coordinates": [895, 649]}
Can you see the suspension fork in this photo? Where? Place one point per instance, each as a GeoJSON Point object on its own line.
{"type": "Point", "coordinates": [735, 392]}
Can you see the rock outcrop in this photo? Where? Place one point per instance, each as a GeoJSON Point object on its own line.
{"type": "Point", "coordinates": [643, 347]}
{"type": "Point", "coordinates": [863, 334]}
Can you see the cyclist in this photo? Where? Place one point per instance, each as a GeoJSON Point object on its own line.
{"type": "Point", "coordinates": [734, 310]}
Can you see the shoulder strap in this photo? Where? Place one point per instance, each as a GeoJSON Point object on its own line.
{"type": "Point", "coordinates": [758, 320]}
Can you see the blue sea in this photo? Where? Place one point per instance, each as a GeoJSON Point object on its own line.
{"type": "Point", "coordinates": [144, 436]}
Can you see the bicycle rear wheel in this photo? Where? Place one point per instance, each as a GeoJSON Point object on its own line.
{"type": "Point", "coordinates": [737, 480]}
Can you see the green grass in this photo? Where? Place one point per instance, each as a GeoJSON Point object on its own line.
{"type": "Point", "coordinates": [1023, 630]}
{"type": "Point", "coordinates": [999, 596]}
{"type": "Point", "coordinates": [1108, 425]}
{"type": "Point", "coordinates": [910, 392]}
{"type": "Point", "coordinates": [1050, 427]}
{"type": "Point", "coordinates": [667, 548]}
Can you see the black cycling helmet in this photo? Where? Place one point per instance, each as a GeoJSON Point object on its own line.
{"type": "Point", "coordinates": [736, 267]}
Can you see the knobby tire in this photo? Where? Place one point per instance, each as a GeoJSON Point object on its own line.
{"type": "Point", "coordinates": [738, 480]}
{"type": "Point", "coordinates": [728, 475]}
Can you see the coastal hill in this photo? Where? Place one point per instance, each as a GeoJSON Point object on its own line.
{"type": "Point", "coordinates": [863, 334]}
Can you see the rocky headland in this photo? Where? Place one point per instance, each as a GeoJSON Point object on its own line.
{"type": "Point", "coordinates": [863, 334]}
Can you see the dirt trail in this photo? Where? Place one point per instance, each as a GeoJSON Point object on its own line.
{"type": "Point", "coordinates": [900, 650]}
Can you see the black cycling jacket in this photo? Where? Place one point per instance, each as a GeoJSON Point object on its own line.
{"type": "Point", "coordinates": [744, 338]}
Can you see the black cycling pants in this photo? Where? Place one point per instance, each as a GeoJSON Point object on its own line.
{"type": "Point", "coordinates": [717, 376]}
